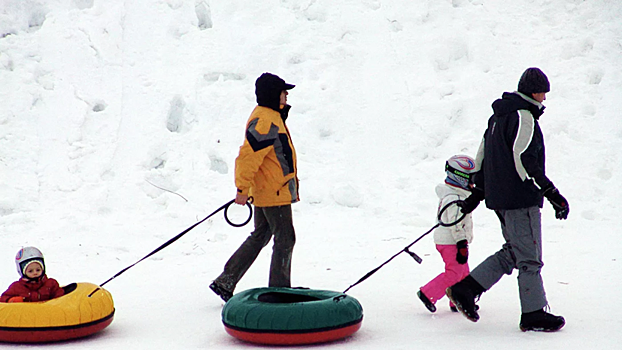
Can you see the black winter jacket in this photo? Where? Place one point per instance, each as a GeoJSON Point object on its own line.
{"type": "Point", "coordinates": [511, 157]}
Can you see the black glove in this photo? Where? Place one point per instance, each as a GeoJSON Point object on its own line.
{"type": "Point", "coordinates": [559, 203]}
{"type": "Point", "coordinates": [463, 252]}
{"type": "Point", "coordinates": [472, 201]}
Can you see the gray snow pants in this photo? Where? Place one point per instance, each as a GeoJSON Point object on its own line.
{"type": "Point", "coordinates": [269, 221]}
{"type": "Point", "coordinates": [522, 251]}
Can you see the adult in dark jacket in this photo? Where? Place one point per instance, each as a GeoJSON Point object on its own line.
{"type": "Point", "coordinates": [513, 182]}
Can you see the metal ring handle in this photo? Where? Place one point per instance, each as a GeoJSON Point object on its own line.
{"type": "Point", "coordinates": [440, 214]}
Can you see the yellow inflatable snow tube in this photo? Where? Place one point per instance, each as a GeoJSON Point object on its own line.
{"type": "Point", "coordinates": [83, 310]}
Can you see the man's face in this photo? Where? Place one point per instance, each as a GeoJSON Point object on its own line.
{"type": "Point", "coordinates": [540, 96]}
{"type": "Point", "coordinates": [284, 94]}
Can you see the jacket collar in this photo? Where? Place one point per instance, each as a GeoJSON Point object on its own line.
{"type": "Point", "coordinates": [530, 100]}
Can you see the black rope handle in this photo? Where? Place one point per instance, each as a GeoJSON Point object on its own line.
{"type": "Point", "coordinates": [170, 241]}
{"type": "Point", "coordinates": [406, 249]}
{"type": "Point", "coordinates": [440, 214]}
{"type": "Point", "coordinates": [250, 214]}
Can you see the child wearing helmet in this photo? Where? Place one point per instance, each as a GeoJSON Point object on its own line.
{"type": "Point", "coordinates": [33, 285]}
{"type": "Point", "coordinates": [451, 242]}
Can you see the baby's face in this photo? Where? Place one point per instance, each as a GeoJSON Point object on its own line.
{"type": "Point", "coordinates": [34, 270]}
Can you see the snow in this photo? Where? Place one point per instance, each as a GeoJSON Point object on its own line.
{"type": "Point", "coordinates": [120, 122]}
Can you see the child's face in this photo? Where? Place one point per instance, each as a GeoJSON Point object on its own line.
{"type": "Point", "coordinates": [34, 270]}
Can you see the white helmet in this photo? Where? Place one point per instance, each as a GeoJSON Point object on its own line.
{"type": "Point", "coordinates": [27, 255]}
{"type": "Point", "coordinates": [459, 169]}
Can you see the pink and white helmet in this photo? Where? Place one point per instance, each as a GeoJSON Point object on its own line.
{"type": "Point", "coordinates": [27, 255]}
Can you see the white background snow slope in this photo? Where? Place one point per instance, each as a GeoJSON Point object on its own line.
{"type": "Point", "coordinates": [102, 101]}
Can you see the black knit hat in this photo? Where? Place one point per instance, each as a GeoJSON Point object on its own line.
{"type": "Point", "coordinates": [533, 81]}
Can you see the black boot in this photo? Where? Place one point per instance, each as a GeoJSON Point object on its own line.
{"type": "Point", "coordinates": [463, 295]}
{"type": "Point", "coordinates": [455, 309]}
{"type": "Point", "coordinates": [220, 291]}
{"type": "Point", "coordinates": [426, 301]}
{"type": "Point", "coordinates": [541, 321]}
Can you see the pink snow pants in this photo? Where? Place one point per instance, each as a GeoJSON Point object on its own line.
{"type": "Point", "coordinates": [454, 273]}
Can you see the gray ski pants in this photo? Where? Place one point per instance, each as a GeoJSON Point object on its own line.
{"type": "Point", "coordinates": [522, 251]}
{"type": "Point", "coordinates": [269, 222]}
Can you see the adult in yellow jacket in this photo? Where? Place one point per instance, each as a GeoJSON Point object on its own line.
{"type": "Point", "coordinates": [266, 170]}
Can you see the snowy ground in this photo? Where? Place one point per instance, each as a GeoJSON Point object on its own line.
{"type": "Point", "coordinates": [102, 101]}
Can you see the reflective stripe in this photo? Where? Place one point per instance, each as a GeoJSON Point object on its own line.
{"type": "Point", "coordinates": [479, 158]}
{"type": "Point", "coordinates": [523, 139]}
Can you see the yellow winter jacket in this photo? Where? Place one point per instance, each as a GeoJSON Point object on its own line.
{"type": "Point", "coordinates": [266, 166]}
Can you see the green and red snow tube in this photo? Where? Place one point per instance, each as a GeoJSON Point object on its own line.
{"type": "Point", "coordinates": [291, 316]}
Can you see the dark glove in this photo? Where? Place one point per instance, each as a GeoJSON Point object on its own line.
{"type": "Point", "coordinates": [559, 203]}
{"type": "Point", "coordinates": [471, 202]}
{"type": "Point", "coordinates": [463, 252]}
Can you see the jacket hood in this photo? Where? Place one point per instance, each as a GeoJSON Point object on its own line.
{"type": "Point", "coordinates": [268, 88]}
{"type": "Point", "coordinates": [514, 101]}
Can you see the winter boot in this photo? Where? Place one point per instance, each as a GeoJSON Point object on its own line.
{"type": "Point", "coordinates": [463, 295]}
{"type": "Point", "coordinates": [541, 321]}
{"type": "Point", "coordinates": [453, 308]}
{"type": "Point", "coordinates": [426, 301]}
{"type": "Point", "coordinates": [220, 291]}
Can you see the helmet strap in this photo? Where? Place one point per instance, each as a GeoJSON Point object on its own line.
{"type": "Point", "coordinates": [457, 172]}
